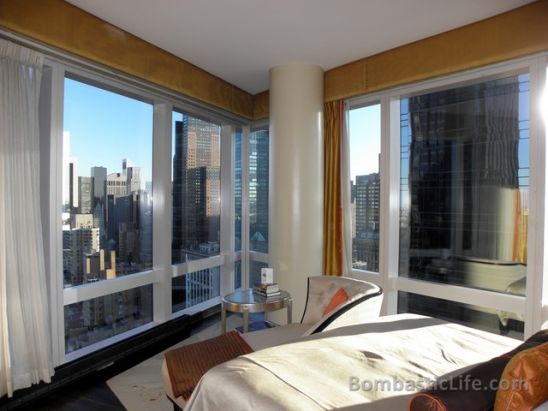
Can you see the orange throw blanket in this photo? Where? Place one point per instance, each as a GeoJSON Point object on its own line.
{"type": "Point", "coordinates": [187, 364]}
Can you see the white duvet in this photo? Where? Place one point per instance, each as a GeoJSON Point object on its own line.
{"type": "Point", "coordinates": [373, 366]}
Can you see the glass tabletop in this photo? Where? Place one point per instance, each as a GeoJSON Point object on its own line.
{"type": "Point", "coordinates": [249, 297]}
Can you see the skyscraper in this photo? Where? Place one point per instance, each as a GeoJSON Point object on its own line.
{"type": "Point", "coordinates": [196, 204]}
{"type": "Point", "coordinates": [73, 184]}
{"type": "Point", "coordinates": [258, 190]}
{"type": "Point", "coordinates": [196, 186]}
{"type": "Point", "coordinates": [78, 243]}
{"type": "Point", "coordinates": [133, 176]}
{"type": "Point", "coordinates": [81, 221]}
{"type": "Point", "coordinates": [85, 195]}
{"type": "Point", "coordinates": [70, 176]}
{"type": "Point", "coordinates": [116, 184]}
{"type": "Point", "coordinates": [367, 209]}
{"type": "Point", "coordinates": [99, 175]}
{"type": "Point", "coordinates": [367, 203]}
{"type": "Point", "coordinates": [145, 228]}
{"type": "Point", "coordinates": [464, 178]}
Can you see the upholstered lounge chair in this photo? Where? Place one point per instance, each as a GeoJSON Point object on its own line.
{"type": "Point", "coordinates": [364, 303]}
{"type": "Point", "coordinates": [365, 300]}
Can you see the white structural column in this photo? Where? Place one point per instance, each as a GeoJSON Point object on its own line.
{"type": "Point", "coordinates": [296, 179]}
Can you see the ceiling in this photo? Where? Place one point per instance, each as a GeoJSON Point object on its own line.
{"type": "Point", "coordinates": [240, 40]}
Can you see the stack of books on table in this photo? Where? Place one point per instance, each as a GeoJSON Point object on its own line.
{"type": "Point", "coordinates": [267, 290]}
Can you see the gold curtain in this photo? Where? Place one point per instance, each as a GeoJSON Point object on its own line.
{"type": "Point", "coordinates": [333, 217]}
{"type": "Point", "coordinates": [520, 230]}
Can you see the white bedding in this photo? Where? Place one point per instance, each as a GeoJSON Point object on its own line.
{"type": "Point", "coordinates": [315, 372]}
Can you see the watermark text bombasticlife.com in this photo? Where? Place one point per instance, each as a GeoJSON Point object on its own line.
{"type": "Point", "coordinates": [394, 384]}
{"type": "Point", "coordinates": [464, 383]}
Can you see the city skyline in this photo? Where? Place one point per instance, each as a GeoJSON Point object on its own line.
{"type": "Point", "coordinates": [365, 147]}
{"type": "Point", "coordinates": [114, 123]}
{"type": "Point", "coordinates": [103, 124]}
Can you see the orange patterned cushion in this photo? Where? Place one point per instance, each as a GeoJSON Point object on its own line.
{"type": "Point", "coordinates": [524, 381]}
{"type": "Point", "coordinates": [188, 363]}
{"type": "Point", "coordinates": [340, 297]}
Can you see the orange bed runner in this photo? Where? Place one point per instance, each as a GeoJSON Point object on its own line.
{"type": "Point", "coordinates": [187, 364]}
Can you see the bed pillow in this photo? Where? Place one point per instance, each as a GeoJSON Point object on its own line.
{"type": "Point", "coordinates": [339, 298]}
{"type": "Point", "coordinates": [457, 393]}
{"type": "Point", "coordinates": [524, 381]}
{"type": "Point", "coordinates": [474, 389]}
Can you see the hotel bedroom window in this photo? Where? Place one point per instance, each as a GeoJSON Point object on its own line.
{"type": "Point", "coordinates": [464, 196]}
{"type": "Point", "coordinates": [120, 262]}
{"type": "Point", "coordinates": [107, 209]}
{"type": "Point", "coordinates": [196, 208]}
{"type": "Point", "coordinates": [258, 202]}
{"type": "Point", "coordinates": [251, 171]}
{"type": "Point", "coordinates": [463, 178]}
{"type": "Point", "coordinates": [365, 185]}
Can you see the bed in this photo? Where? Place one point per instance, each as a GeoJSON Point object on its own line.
{"type": "Point", "coordinates": [373, 366]}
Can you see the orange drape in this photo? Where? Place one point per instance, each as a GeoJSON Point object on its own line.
{"type": "Point", "coordinates": [333, 216]}
{"type": "Point", "coordinates": [520, 230]}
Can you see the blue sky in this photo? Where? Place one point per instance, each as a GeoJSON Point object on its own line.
{"type": "Point", "coordinates": [365, 140]}
{"type": "Point", "coordinates": [106, 127]}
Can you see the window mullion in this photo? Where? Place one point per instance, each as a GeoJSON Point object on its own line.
{"type": "Point", "coordinates": [227, 209]}
{"type": "Point", "coordinates": [52, 98]}
{"type": "Point", "coordinates": [390, 196]}
{"type": "Point", "coordinates": [161, 188]}
{"type": "Point", "coordinates": [537, 244]}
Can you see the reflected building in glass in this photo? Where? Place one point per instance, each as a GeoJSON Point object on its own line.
{"type": "Point", "coordinates": [464, 188]}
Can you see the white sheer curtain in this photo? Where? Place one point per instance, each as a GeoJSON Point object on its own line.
{"type": "Point", "coordinates": [25, 349]}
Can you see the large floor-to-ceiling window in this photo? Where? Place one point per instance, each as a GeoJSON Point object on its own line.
{"type": "Point", "coordinates": [365, 185]}
{"type": "Point", "coordinates": [251, 188]}
{"type": "Point", "coordinates": [147, 205]}
{"type": "Point", "coordinates": [196, 208]}
{"type": "Point", "coordinates": [107, 209]}
{"type": "Point", "coordinates": [449, 229]}
{"type": "Point", "coordinates": [464, 195]}
{"type": "Point", "coordinates": [258, 166]}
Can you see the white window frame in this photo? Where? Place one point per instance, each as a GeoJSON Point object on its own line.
{"type": "Point", "coordinates": [227, 256]}
{"type": "Point", "coordinates": [59, 66]}
{"type": "Point", "coordinates": [534, 306]}
{"type": "Point", "coordinates": [368, 101]}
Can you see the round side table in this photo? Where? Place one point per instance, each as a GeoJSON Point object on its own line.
{"type": "Point", "coordinates": [246, 301]}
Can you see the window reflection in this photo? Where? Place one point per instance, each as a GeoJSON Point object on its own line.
{"type": "Point", "coordinates": [465, 185]}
